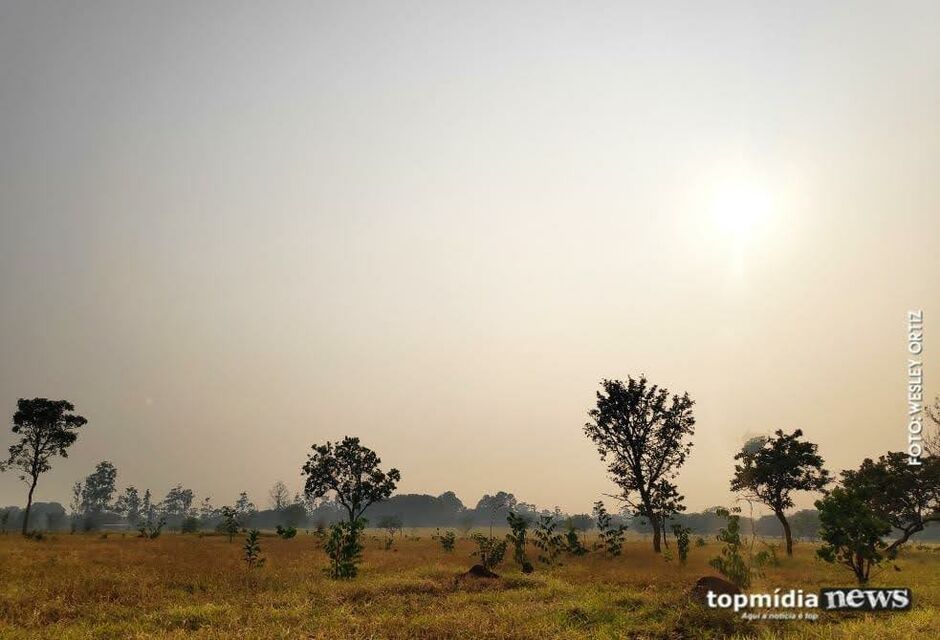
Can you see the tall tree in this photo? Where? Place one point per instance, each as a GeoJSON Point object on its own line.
{"type": "Point", "coordinates": [280, 496]}
{"type": "Point", "coordinates": [128, 504]}
{"type": "Point", "coordinates": [494, 506]}
{"type": "Point", "coordinates": [641, 432]}
{"type": "Point", "coordinates": [178, 502]}
{"type": "Point", "coordinates": [244, 507]}
{"type": "Point", "coordinates": [46, 428]}
{"type": "Point", "coordinates": [98, 489]}
{"type": "Point", "coordinates": [905, 496]}
{"type": "Point", "coordinates": [772, 468]}
{"type": "Point", "coordinates": [351, 472]}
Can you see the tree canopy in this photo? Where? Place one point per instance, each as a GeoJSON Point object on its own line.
{"type": "Point", "coordinates": [351, 472]}
{"type": "Point", "coordinates": [643, 433]}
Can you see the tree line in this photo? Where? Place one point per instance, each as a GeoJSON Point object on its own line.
{"type": "Point", "coordinates": [642, 432]}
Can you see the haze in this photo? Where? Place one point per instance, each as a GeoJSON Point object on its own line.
{"type": "Point", "coordinates": [230, 231]}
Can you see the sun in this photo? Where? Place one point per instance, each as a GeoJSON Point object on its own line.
{"type": "Point", "coordinates": [740, 209]}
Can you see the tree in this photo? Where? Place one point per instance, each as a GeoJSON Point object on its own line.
{"type": "Point", "coordinates": [147, 509]}
{"type": "Point", "coordinates": [391, 525]}
{"type": "Point", "coordinates": [98, 489]}
{"type": "Point", "coordinates": [229, 525]}
{"type": "Point", "coordinates": [46, 428]}
{"type": "Point", "coordinates": [771, 468]}
{"type": "Point", "coordinates": [128, 505]}
{"type": "Point", "coordinates": [244, 507]}
{"type": "Point", "coordinates": [932, 440]}
{"type": "Point", "coordinates": [493, 506]}
{"type": "Point", "coordinates": [851, 531]}
{"type": "Point", "coordinates": [905, 496]}
{"type": "Point", "coordinates": [206, 510]}
{"type": "Point", "coordinates": [351, 472]}
{"type": "Point", "coordinates": [641, 433]}
{"type": "Point", "coordinates": [178, 502]}
{"type": "Point", "coordinates": [280, 496]}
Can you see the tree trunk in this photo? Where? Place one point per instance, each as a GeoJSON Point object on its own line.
{"type": "Point", "coordinates": [656, 535]}
{"type": "Point", "coordinates": [29, 505]}
{"type": "Point", "coordinates": [786, 531]}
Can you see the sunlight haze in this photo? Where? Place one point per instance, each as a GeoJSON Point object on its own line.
{"type": "Point", "coordinates": [228, 232]}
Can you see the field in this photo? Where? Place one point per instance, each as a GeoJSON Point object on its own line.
{"type": "Point", "coordinates": [191, 586]}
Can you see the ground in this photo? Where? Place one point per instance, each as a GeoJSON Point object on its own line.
{"type": "Point", "coordinates": [197, 586]}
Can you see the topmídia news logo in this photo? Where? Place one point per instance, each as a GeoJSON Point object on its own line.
{"type": "Point", "coordinates": [797, 604]}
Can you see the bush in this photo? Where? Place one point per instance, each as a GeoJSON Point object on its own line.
{"type": "Point", "coordinates": [611, 536]}
{"type": "Point", "coordinates": [518, 526]}
{"type": "Point", "coordinates": [490, 550]}
{"type": "Point", "coordinates": [731, 562]}
{"type": "Point", "coordinates": [150, 530]}
{"type": "Point", "coordinates": [189, 525]}
{"type": "Point", "coordinates": [547, 541]}
{"type": "Point", "coordinates": [447, 539]}
{"type": "Point", "coordinates": [285, 534]}
{"type": "Point", "coordinates": [682, 541]}
{"type": "Point", "coordinates": [253, 550]}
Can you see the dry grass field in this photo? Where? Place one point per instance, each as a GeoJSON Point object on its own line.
{"type": "Point", "coordinates": [190, 586]}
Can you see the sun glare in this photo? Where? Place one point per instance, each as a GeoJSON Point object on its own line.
{"type": "Point", "coordinates": [741, 209]}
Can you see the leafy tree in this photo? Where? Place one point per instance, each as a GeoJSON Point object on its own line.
{"type": "Point", "coordinates": [178, 502]}
{"type": "Point", "coordinates": [252, 550]}
{"type": "Point", "coordinates": [611, 537]}
{"type": "Point", "coordinates": [494, 506]}
{"type": "Point", "coordinates": [547, 540]}
{"type": "Point", "coordinates": [244, 507]}
{"type": "Point", "coordinates": [147, 509]}
{"type": "Point", "coordinates": [206, 511]}
{"type": "Point", "coordinates": [905, 496]}
{"type": "Point", "coordinates": [771, 468]}
{"type": "Point", "coordinates": [351, 472]}
{"type": "Point", "coordinates": [97, 492]}
{"type": "Point", "coordinates": [46, 428]}
{"type": "Point", "coordinates": [344, 548]}
{"type": "Point", "coordinates": [128, 505]}
{"type": "Point", "coordinates": [641, 432]}
{"type": "Point", "coordinates": [851, 531]}
{"type": "Point", "coordinates": [280, 496]}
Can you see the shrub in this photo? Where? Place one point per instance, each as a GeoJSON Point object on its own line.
{"type": "Point", "coordinates": [611, 536]}
{"type": "Point", "coordinates": [150, 530]}
{"type": "Point", "coordinates": [229, 525]}
{"type": "Point", "coordinates": [447, 539]}
{"type": "Point", "coordinates": [573, 543]}
{"type": "Point", "coordinates": [490, 550]}
{"type": "Point", "coordinates": [518, 528]}
{"type": "Point", "coordinates": [253, 550]}
{"type": "Point", "coordinates": [190, 525]}
{"type": "Point", "coordinates": [731, 563]}
{"type": "Point", "coordinates": [285, 533]}
{"type": "Point", "coordinates": [344, 549]}
{"type": "Point", "coordinates": [682, 541]}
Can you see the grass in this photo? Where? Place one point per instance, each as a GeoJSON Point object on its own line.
{"type": "Point", "coordinates": [190, 586]}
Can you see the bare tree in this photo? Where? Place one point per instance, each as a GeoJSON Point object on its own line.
{"type": "Point", "coordinates": [280, 496]}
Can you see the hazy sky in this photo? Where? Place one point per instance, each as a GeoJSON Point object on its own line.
{"type": "Point", "coordinates": [229, 231]}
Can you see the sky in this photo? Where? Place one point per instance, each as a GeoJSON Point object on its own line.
{"type": "Point", "coordinates": [229, 231]}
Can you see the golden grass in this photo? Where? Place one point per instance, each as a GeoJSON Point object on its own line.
{"type": "Point", "coordinates": [85, 586]}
